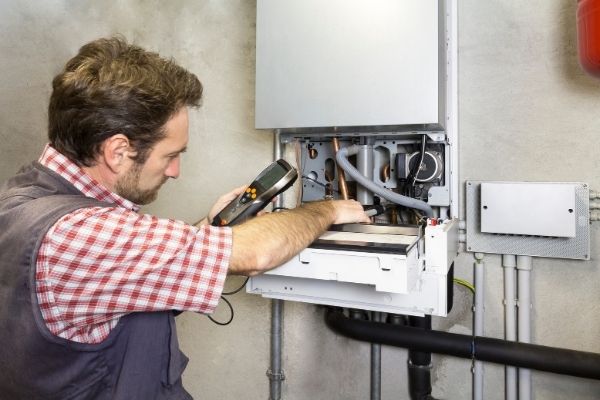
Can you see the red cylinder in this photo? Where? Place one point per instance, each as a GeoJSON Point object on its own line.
{"type": "Point", "coordinates": [588, 35]}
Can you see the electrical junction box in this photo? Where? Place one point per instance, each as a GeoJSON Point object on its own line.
{"type": "Point", "coordinates": [529, 218]}
{"type": "Point", "coordinates": [522, 208]}
{"type": "Point", "coordinates": [370, 267]}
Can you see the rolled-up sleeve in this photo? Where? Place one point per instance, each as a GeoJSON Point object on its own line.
{"type": "Point", "coordinates": [98, 264]}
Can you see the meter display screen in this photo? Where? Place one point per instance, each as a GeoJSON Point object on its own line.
{"type": "Point", "coordinates": [273, 180]}
{"type": "Point", "coordinates": [270, 177]}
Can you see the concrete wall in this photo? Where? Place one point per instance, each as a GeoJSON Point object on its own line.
{"type": "Point", "coordinates": [527, 113]}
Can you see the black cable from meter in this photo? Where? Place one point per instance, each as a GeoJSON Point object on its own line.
{"type": "Point", "coordinates": [230, 318]}
{"type": "Point", "coordinates": [229, 304]}
{"type": "Point", "coordinates": [238, 289]}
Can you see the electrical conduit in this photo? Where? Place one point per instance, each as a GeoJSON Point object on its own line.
{"type": "Point", "coordinates": [478, 309]}
{"type": "Point", "coordinates": [509, 262]}
{"type": "Point", "coordinates": [524, 319]}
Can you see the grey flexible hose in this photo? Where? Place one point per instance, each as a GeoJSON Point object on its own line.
{"type": "Point", "coordinates": [342, 160]}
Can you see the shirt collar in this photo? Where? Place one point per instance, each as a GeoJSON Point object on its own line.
{"type": "Point", "coordinates": [57, 162]}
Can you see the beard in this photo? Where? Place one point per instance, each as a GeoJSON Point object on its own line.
{"type": "Point", "coordinates": [129, 187]}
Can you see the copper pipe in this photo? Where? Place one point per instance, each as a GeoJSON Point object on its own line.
{"type": "Point", "coordinates": [394, 216]}
{"type": "Point", "coordinates": [341, 176]}
{"type": "Point", "coordinates": [385, 173]}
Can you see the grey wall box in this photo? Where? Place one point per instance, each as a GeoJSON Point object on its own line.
{"type": "Point", "coordinates": [532, 244]}
{"type": "Point", "coordinates": [350, 63]}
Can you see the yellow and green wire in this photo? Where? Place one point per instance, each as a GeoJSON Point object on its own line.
{"type": "Point", "coordinates": [466, 284]}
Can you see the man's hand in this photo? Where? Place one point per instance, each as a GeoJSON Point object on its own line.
{"type": "Point", "coordinates": [220, 205]}
{"type": "Point", "coordinates": [223, 201]}
{"type": "Point", "coordinates": [349, 211]}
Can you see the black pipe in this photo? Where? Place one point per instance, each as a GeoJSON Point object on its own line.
{"type": "Point", "coordinates": [419, 364]}
{"type": "Point", "coordinates": [522, 355]}
{"type": "Point", "coordinates": [420, 357]}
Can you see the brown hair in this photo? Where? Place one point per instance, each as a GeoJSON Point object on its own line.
{"type": "Point", "coordinates": [113, 87]}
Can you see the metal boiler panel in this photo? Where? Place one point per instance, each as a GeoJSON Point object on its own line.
{"type": "Point", "coordinates": [350, 63]}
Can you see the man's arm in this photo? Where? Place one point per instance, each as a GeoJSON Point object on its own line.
{"type": "Point", "coordinates": [266, 242]}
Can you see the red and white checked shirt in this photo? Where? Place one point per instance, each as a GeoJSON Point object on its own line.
{"type": "Point", "coordinates": [98, 264]}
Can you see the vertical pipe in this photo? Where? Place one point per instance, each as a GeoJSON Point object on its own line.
{"type": "Point", "coordinates": [375, 371]}
{"type": "Point", "coordinates": [364, 165]}
{"type": "Point", "coordinates": [478, 308]}
{"type": "Point", "coordinates": [419, 364]}
{"type": "Point", "coordinates": [443, 213]}
{"type": "Point", "coordinates": [342, 185]}
{"type": "Point", "coordinates": [524, 264]}
{"type": "Point", "coordinates": [509, 262]}
{"type": "Point", "coordinates": [275, 372]}
{"type": "Point", "coordinates": [376, 363]}
{"type": "Point", "coordinates": [452, 111]}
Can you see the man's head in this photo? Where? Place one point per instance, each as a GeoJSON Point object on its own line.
{"type": "Point", "coordinates": [120, 101]}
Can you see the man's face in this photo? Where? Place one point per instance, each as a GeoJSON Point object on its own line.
{"type": "Point", "coordinates": [140, 184]}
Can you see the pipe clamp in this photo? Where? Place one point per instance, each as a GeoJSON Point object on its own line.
{"type": "Point", "coordinates": [275, 376]}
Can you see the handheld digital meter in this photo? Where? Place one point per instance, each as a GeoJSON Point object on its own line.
{"type": "Point", "coordinates": [274, 179]}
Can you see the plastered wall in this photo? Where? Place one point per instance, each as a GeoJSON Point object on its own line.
{"type": "Point", "coordinates": [527, 112]}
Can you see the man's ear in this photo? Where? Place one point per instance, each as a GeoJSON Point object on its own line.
{"type": "Point", "coordinates": [117, 152]}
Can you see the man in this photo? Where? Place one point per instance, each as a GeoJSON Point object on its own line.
{"type": "Point", "coordinates": [88, 286]}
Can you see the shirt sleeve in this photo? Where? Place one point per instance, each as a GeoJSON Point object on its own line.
{"type": "Point", "coordinates": [97, 264]}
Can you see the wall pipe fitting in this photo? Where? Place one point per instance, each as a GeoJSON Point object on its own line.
{"type": "Point", "coordinates": [524, 355]}
{"type": "Point", "coordinates": [342, 160]}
